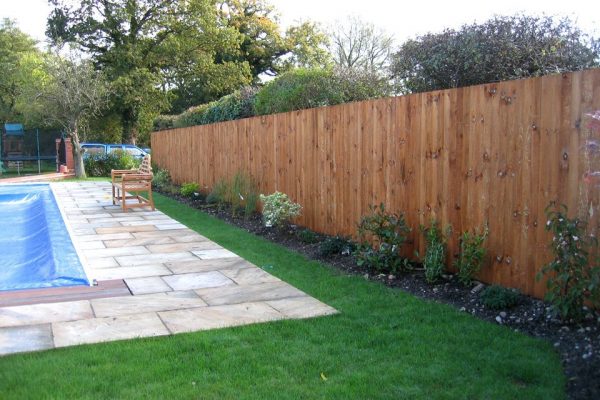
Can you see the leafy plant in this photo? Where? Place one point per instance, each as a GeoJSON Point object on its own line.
{"type": "Point", "coordinates": [161, 178]}
{"type": "Point", "coordinates": [308, 236]}
{"type": "Point", "coordinates": [102, 164]}
{"type": "Point", "coordinates": [570, 278]}
{"type": "Point", "coordinates": [498, 298]}
{"type": "Point", "coordinates": [382, 236]}
{"type": "Point", "coordinates": [242, 194]}
{"type": "Point", "coordinates": [434, 260]}
{"type": "Point", "coordinates": [218, 194]}
{"type": "Point", "coordinates": [278, 209]}
{"type": "Point", "coordinates": [189, 189]}
{"type": "Point", "coordinates": [470, 258]}
{"type": "Point", "coordinates": [336, 245]}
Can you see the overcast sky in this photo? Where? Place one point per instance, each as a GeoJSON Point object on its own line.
{"type": "Point", "coordinates": [403, 19]}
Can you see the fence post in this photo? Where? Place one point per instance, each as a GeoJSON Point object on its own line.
{"type": "Point", "coordinates": [37, 139]}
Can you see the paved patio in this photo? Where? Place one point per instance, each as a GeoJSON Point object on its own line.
{"type": "Point", "coordinates": [179, 281]}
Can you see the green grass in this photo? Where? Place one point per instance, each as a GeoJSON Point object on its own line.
{"type": "Point", "coordinates": [383, 344]}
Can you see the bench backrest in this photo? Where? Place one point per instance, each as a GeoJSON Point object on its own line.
{"type": "Point", "coordinates": [145, 166]}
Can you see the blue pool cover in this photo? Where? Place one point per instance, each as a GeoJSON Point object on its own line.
{"type": "Point", "coordinates": [35, 247]}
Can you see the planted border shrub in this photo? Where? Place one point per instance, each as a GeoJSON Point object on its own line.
{"type": "Point", "coordinates": [218, 194]}
{"type": "Point", "coordinates": [382, 236]}
{"type": "Point", "coordinates": [499, 298]}
{"type": "Point", "coordinates": [307, 236]}
{"type": "Point", "coordinates": [570, 277]}
{"type": "Point", "coordinates": [335, 245]}
{"type": "Point", "coordinates": [278, 209]}
{"type": "Point", "coordinates": [161, 178]}
{"type": "Point", "coordinates": [189, 189]}
{"type": "Point", "coordinates": [242, 194]}
{"type": "Point", "coordinates": [434, 259]}
{"type": "Point", "coordinates": [470, 258]}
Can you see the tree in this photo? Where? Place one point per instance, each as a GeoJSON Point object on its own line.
{"type": "Point", "coordinates": [68, 93]}
{"type": "Point", "coordinates": [499, 49]}
{"type": "Point", "coordinates": [263, 46]}
{"type": "Point", "coordinates": [129, 40]}
{"type": "Point", "coordinates": [359, 45]}
{"type": "Point", "coordinates": [307, 48]}
{"type": "Point", "coordinates": [16, 49]}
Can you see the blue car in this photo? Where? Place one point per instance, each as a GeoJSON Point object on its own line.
{"type": "Point", "coordinates": [101, 148]}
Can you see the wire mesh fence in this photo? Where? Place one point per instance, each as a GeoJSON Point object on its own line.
{"type": "Point", "coordinates": [27, 151]}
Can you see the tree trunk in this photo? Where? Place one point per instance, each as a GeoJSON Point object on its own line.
{"type": "Point", "coordinates": [77, 155]}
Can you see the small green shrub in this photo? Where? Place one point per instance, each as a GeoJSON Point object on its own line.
{"type": "Point", "coordinates": [189, 189]}
{"type": "Point", "coordinates": [434, 260]}
{"type": "Point", "coordinates": [571, 279]}
{"type": "Point", "coordinates": [278, 209]}
{"type": "Point", "coordinates": [470, 258]}
{"type": "Point", "coordinates": [307, 236]}
{"type": "Point", "coordinates": [499, 298]}
{"type": "Point", "coordinates": [173, 189]}
{"type": "Point", "coordinates": [161, 178]}
{"type": "Point", "coordinates": [382, 236]}
{"type": "Point", "coordinates": [102, 164]}
{"type": "Point", "coordinates": [335, 245]}
{"type": "Point", "coordinates": [218, 194]}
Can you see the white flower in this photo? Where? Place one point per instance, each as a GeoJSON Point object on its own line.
{"type": "Point", "coordinates": [575, 238]}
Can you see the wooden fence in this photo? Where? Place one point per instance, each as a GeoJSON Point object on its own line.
{"type": "Point", "coordinates": [496, 153]}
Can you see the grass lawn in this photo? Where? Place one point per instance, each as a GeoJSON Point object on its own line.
{"type": "Point", "coordinates": [383, 344]}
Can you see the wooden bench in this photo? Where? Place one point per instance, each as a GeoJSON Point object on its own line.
{"type": "Point", "coordinates": [127, 184]}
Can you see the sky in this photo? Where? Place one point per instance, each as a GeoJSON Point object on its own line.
{"type": "Point", "coordinates": [401, 19]}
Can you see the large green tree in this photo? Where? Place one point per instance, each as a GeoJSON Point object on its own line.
{"type": "Point", "coordinates": [264, 46]}
{"type": "Point", "coordinates": [67, 92]}
{"type": "Point", "coordinates": [168, 55]}
{"type": "Point", "coordinates": [17, 50]}
{"type": "Point", "coordinates": [132, 41]}
{"type": "Point", "coordinates": [501, 48]}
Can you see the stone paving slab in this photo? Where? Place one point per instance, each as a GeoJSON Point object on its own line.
{"type": "Point", "coordinates": [198, 319]}
{"type": "Point", "coordinates": [151, 284]}
{"type": "Point", "coordinates": [197, 280]}
{"type": "Point", "coordinates": [17, 339]}
{"type": "Point", "coordinates": [142, 304]}
{"type": "Point", "coordinates": [179, 281]}
{"type": "Point", "coordinates": [97, 330]}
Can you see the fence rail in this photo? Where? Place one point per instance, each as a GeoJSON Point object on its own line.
{"type": "Point", "coordinates": [494, 154]}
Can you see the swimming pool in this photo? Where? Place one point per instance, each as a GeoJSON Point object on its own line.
{"type": "Point", "coordinates": [36, 250]}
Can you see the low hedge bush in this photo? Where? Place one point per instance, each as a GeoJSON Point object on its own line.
{"type": "Point", "coordinates": [102, 164]}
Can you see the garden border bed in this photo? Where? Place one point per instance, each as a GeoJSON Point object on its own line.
{"type": "Point", "coordinates": [577, 344]}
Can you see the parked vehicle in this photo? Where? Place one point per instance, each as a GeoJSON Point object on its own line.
{"type": "Point", "coordinates": [102, 148]}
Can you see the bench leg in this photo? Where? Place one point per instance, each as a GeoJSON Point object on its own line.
{"type": "Point", "coordinates": [113, 195]}
{"type": "Point", "coordinates": [151, 199]}
{"type": "Point", "coordinates": [123, 195]}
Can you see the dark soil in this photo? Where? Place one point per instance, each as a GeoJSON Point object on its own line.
{"type": "Point", "coordinates": [577, 343]}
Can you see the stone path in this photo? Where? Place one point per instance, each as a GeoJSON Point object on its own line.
{"type": "Point", "coordinates": [180, 281]}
